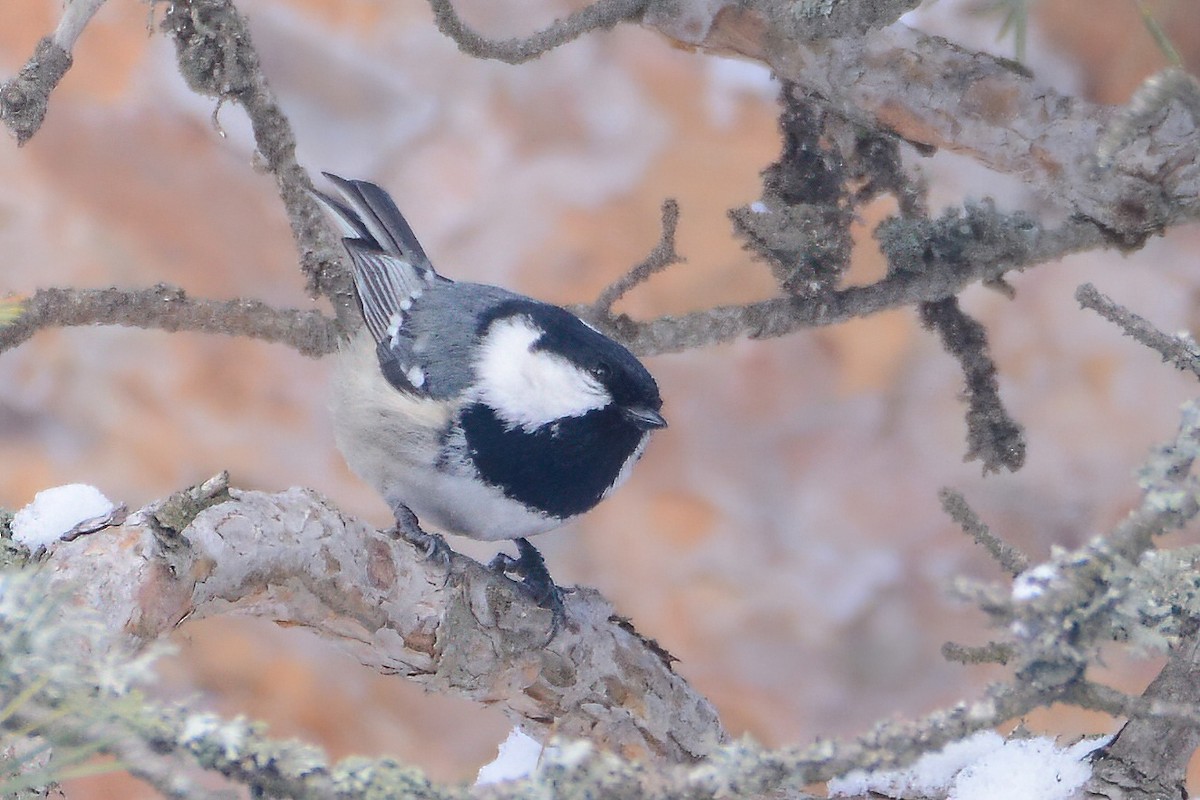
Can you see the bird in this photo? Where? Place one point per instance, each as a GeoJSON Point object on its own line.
{"type": "Point", "coordinates": [475, 409]}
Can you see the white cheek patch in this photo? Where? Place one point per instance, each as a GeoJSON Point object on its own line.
{"type": "Point", "coordinates": [532, 388]}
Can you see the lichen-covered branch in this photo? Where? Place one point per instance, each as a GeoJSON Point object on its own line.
{"type": "Point", "coordinates": [74, 666]}
{"type": "Point", "coordinates": [1010, 559]}
{"type": "Point", "coordinates": [168, 308]}
{"type": "Point", "coordinates": [936, 94]}
{"type": "Point", "coordinates": [23, 99]}
{"type": "Point", "coordinates": [292, 558]}
{"type": "Point", "coordinates": [599, 15]}
{"type": "Point", "coordinates": [942, 274]}
{"type": "Point", "coordinates": [217, 58]}
{"type": "Point", "coordinates": [992, 435]}
{"type": "Point", "coordinates": [800, 226]}
{"type": "Point", "coordinates": [1180, 350]}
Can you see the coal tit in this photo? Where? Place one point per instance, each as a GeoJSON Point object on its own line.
{"type": "Point", "coordinates": [484, 412]}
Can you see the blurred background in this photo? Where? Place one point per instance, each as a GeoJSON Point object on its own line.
{"type": "Point", "coordinates": [782, 538]}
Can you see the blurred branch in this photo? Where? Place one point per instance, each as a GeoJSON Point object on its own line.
{"type": "Point", "coordinates": [936, 94]}
{"type": "Point", "coordinates": [168, 308]}
{"type": "Point", "coordinates": [990, 653]}
{"type": "Point", "coordinates": [23, 99]}
{"type": "Point", "coordinates": [992, 435]}
{"type": "Point", "coordinates": [1181, 350]}
{"type": "Point", "coordinates": [662, 256]}
{"type": "Point", "coordinates": [599, 15]}
{"type": "Point", "coordinates": [1010, 559]}
{"type": "Point", "coordinates": [217, 58]}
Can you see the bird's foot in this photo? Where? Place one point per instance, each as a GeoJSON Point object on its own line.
{"type": "Point", "coordinates": [432, 546]}
{"type": "Point", "coordinates": [535, 579]}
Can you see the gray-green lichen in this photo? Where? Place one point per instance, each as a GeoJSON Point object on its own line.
{"type": "Point", "coordinates": [176, 512]}
{"type": "Point", "coordinates": [13, 554]}
{"type": "Point", "coordinates": [825, 19]}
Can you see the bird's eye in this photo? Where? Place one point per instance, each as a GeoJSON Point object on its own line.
{"type": "Point", "coordinates": [601, 372]}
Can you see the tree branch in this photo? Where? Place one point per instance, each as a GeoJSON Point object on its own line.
{"type": "Point", "coordinates": [1148, 758]}
{"type": "Point", "coordinates": [662, 256]}
{"type": "Point", "coordinates": [938, 95]}
{"type": "Point", "coordinates": [217, 58]}
{"type": "Point", "coordinates": [23, 99]}
{"type": "Point", "coordinates": [292, 558]}
{"type": "Point", "coordinates": [600, 15]}
{"type": "Point", "coordinates": [1010, 559]}
{"type": "Point", "coordinates": [168, 308]}
{"type": "Point", "coordinates": [780, 316]}
{"type": "Point", "coordinates": [1181, 350]}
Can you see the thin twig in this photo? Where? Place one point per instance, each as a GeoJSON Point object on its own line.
{"type": "Point", "coordinates": [169, 308]}
{"type": "Point", "coordinates": [601, 14]}
{"type": "Point", "coordinates": [1010, 559]}
{"type": "Point", "coordinates": [662, 256]}
{"type": "Point", "coordinates": [990, 653]}
{"type": "Point", "coordinates": [1181, 351]}
{"type": "Point", "coordinates": [75, 17]}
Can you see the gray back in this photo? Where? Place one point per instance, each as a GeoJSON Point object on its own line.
{"type": "Point", "coordinates": [442, 332]}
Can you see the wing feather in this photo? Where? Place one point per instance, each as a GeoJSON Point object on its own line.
{"type": "Point", "coordinates": [391, 273]}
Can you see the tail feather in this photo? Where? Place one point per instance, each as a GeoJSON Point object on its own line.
{"type": "Point", "coordinates": [377, 221]}
{"type": "Point", "coordinates": [391, 270]}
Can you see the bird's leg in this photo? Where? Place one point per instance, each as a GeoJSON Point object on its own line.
{"type": "Point", "coordinates": [431, 545]}
{"type": "Point", "coordinates": [535, 578]}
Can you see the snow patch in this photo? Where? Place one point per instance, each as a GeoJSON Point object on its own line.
{"type": "Point", "coordinates": [1033, 582]}
{"type": "Point", "coordinates": [517, 757]}
{"type": "Point", "coordinates": [55, 512]}
{"type": "Point", "coordinates": [983, 767]}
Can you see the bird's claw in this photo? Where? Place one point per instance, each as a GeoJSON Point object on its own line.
{"type": "Point", "coordinates": [535, 579]}
{"type": "Point", "coordinates": [431, 546]}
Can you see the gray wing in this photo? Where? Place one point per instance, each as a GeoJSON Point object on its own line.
{"type": "Point", "coordinates": [426, 327]}
{"type": "Point", "coordinates": [391, 272]}
{"type": "Point", "coordinates": [441, 334]}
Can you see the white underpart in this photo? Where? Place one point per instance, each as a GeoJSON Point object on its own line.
{"type": "Point", "coordinates": [627, 467]}
{"type": "Point", "coordinates": [532, 388]}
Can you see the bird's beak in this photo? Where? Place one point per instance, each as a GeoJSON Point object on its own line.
{"type": "Point", "coordinates": [644, 418]}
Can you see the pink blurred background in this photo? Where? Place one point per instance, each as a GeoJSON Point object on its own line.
{"type": "Point", "coordinates": [782, 538]}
